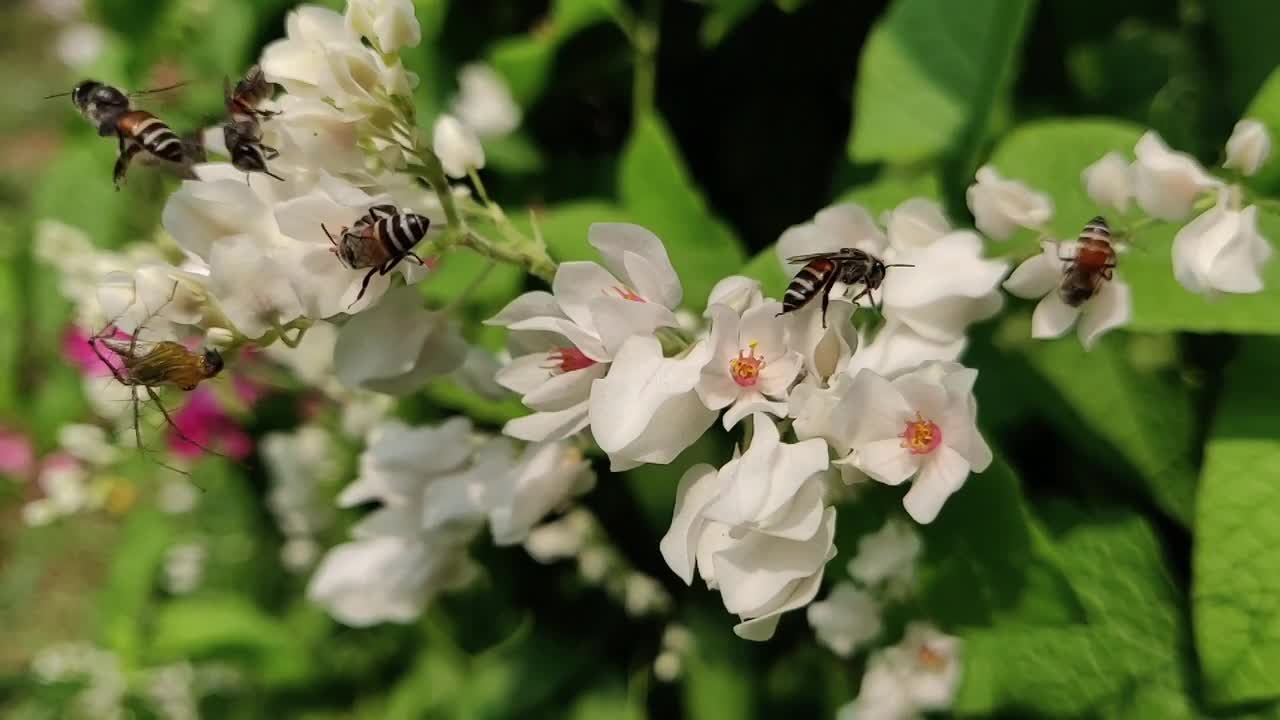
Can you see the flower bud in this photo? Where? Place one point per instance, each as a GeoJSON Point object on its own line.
{"type": "Point", "coordinates": [389, 24]}
{"type": "Point", "coordinates": [1109, 182]}
{"type": "Point", "coordinates": [1001, 206]}
{"type": "Point", "coordinates": [218, 338]}
{"type": "Point", "coordinates": [1166, 182]}
{"type": "Point", "coordinates": [457, 146]}
{"type": "Point", "coordinates": [1249, 147]}
{"type": "Point", "coordinates": [1221, 251]}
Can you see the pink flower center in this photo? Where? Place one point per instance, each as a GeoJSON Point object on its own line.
{"type": "Point", "coordinates": [745, 369]}
{"type": "Point", "coordinates": [627, 293]}
{"type": "Point", "coordinates": [568, 359]}
{"type": "Point", "coordinates": [931, 659]}
{"type": "Point", "coordinates": [921, 436]}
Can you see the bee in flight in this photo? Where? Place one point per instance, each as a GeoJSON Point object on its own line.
{"type": "Point", "coordinates": [111, 112]}
{"type": "Point", "coordinates": [1093, 263]}
{"type": "Point", "coordinates": [823, 270]}
{"type": "Point", "coordinates": [379, 240]}
{"type": "Point", "coordinates": [242, 133]}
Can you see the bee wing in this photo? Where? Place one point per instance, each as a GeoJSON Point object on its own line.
{"type": "Point", "coordinates": [812, 256]}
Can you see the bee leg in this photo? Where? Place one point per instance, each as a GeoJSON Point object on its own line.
{"type": "Point", "coordinates": [416, 259]}
{"type": "Point", "coordinates": [269, 152]}
{"type": "Point", "coordinates": [826, 298]}
{"type": "Point", "coordinates": [364, 285]}
{"type": "Point", "coordinates": [118, 373]}
{"type": "Point", "coordinates": [127, 151]}
{"type": "Point", "coordinates": [137, 417]}
{"type": "Point", "coordinates": [173, 425]}
{"type": "Point", "coordinates": [1107, 270]}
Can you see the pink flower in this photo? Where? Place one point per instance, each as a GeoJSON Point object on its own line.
{"type": "Point", "coordinates": [78, 352]}
{"type": "Point", "coordinates": [203, 422]}
{"type": "Point", "coordinates": [17, 456]}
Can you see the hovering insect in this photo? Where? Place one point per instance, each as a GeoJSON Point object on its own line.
{"type": "Point", "coordinates": [111, 112]}
{"type": "Point", "coordinates": [242, 133]}
{"type": "Point", "coordinates": [379, 240]}
{"type": "Point", "coordinates": [1093, 263]}
{"type": "Point", "coordinates": [823, 270]}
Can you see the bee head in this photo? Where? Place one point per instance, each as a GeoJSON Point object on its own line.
{"type": "Point", "coordinates": [83, 92]}
{"type": "Point", "coordinates": [875, 274]}
{"type": "Point", "coordinates": [212, 361]}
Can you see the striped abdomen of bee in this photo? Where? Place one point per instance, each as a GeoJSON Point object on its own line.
{"type": "Point", "coordinates": [379, 240]}
{"type": "Point", "coordinates": [139, 130]}
{"type": "Point", "coordinates": [1093, 263]}
{"type": "Point", "coordinates": [816, 277]}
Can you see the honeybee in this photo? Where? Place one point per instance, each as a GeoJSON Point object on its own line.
{"type": "Point", "coordinates": [823, 270]}
{"type": "Point", "coordinates": [243, 132]}
{"type": "Point", "coordinates": [1093, 263]}
{"type": "Point", "coordinates": [110, 111]}
{"type": "Point", "coordinates": [379, 240]}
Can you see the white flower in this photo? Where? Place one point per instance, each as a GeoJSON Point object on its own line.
{"type": "Point", "coordinates": [457, 147]}
{"type": "Point", "coordinates": [757, 530]}
{"type": "Point", "coordinates": [950, 287]}
{"type": "Point", "coordinates": [1001, 206]}
{"type": "Point", "coordinates": [484, 102]}
{"type": "Point", "coordinates": [848, 619]}
{"type": "Point", "coordinates": [87, 443]}
{"type": "Point", "coordinates": [1109, 182]}
{"type": "Point", "coordinates": [896, 347]}
{"type": "Point", "coordinates": [751, 366]}
{"type": "Point", "coordinates": [846, 225]}
{"type": "Point", "coordinates": [153, 301]}
{"type": "Point", "coordinates": [886, 558]}
{"type": "Point", "coordinates": [397, 345]}
{"type": "Point", "coordinates": [246, 279]}
{"type": "Point", "coordinates": [922, 425]}
{"type": "Point", "coordinates": [398, 459]}
{"type": "Point", "coordinates": [1040, 276]}
{"type": "Point", "coordinates": [738, 292]}
{"type": "Point", "coordinates": [916, 223]}
{"type": "Point", "coordinates": [544, 477]}
{"type": "Point", "coordinates": [919, 674]}
{"type": "Point", "coordinates": [389, 577]}
{"type": "Point", "coordinates": [1221, 251]}
{"type": "Point", "coordinates": [1167, 183]}
{"type": "Point", "coordinates": [828, 349]}
{"type": "Point", "coordinates": [1249, 147]}
{"type": "Point", "coordinates": [389, 24]}
{"type": "Point", "coordinates": [564, 341]}
{"type": "Point", "coordinates": [302, 466]}
{"type": "Point", "coordinates": [561, 538]}
{"type": "Point", "coordinates": [646, 410]}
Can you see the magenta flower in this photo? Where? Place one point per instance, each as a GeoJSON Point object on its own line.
{"type": "Point", "coordinates": [17, 456]}
{"type": "Point", "coordinates": [78, 352]}
{"type": "Point", "coordinates": [202, 420]}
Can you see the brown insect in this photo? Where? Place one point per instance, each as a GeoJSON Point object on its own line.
{"type": "Point", "coordinates": [110, 111]}
{"type": "Point", "coordinates": [821, 272]}
{"type": "Point", "coordinates": [242, 133]}
{"type": "Point", "coordinates": [1093, 264]}
{"type": "Point", "coordinates": [379, 240]}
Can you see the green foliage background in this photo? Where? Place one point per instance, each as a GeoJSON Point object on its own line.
{"type": "Point", "coordinates": [1120, 560]}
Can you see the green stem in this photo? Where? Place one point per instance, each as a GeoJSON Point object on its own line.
{"type": "Point", "coordinates": [533, 259]}
{"type": "Point", "coordinates": [644, 41]}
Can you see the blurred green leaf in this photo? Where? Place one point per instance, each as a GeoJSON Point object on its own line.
{"type": "Point", "coordinates": [124, 603]}
{"type": "Point", "coordinates": [1236, 576]}
{"type": "Point", "coordinates": [723, 16]}
{"type": "Point", "coordinates": [128, 19]}
{"type": "Point", "coordinates": [654, 486]}
{"type": "Point", "coordinates": [1265, 108]}
{"type": "Point", "coordinates": [226, 626]}
{"type": "Point", "coordinates": [514, 153]}
{"type": "Point", "coordinates": [458, 272]}
{"type": "Point", "coordinates": [1245, 31]}
{"type": "Point", "coordinates": [83, 171]}
{"type": "Point", "coordinates": [1050, 156]}
{"type": "Point", "coordinates": [1128, 661]}
{"type": "Point", "coordinates": [656, 188]}
{"type": "Point", "coordinates": [930, 75]}
{"type": "Point", "coordinates": [1119, 413]}
{"type": "Point", "coordinates": [526, 61]}
{"type": "Point", "coordinates": [718, 681]}
{"type": "Point", "coordinates": [564, 226]}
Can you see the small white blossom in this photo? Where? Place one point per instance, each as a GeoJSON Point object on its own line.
{"type": "Point", "coordinates": [303, 466]}
{"type": "Point", "coordinates": [896, 347]}
{"type": "Point", "coordinates": [827, 350]}
{"type": "Point", "coordinates": [1109, 182]}
{"type": "Point", "coordinates": [767, 504]}
{"type": "Point", "coordinates": [389, 24]}
{"type": "Point", "coordinates": [1167, 183]}
{"type": "Point", "coordinates": [1001, 206]}
{"type": "Point", "coordinates": [544, 477]}
{"type": "Point", "coordinates": [920, 425]}
{"type": "Point", "coordinates": [950, 286]}
{"type": "Point", "coordinates": [886, 558]}
{"type": "Point", "coordinates": [1040, 277]}
{"type": "Point", "coordinates": [88, 443]}
{"type": "Point", "coordinates": [1249, 147]}
{"type": "Point", "coordinates": [457, 147]}
{"type": "Point", "coordinates": [916, 223]}
{"type": "Point", "coordinates": [1221, 251]}
{"type": "Point", "coordinates": [561, 538]}
{"type": "Point", "coordinates": [751, 366]}
{"type": "Point", "coordinates": [484, 102]}
{"type": "Point", "coordinates": [918, 675]}
{"type": "Point", "coordinates": [562, 342]}
{"type": "Point", "coordinates": [846, 225]}
{"type": "Point", "coordinates": [397, 345]}
{"type": "Point", "coordinates": [738, 292]}
{"type": "Point", "coordinates": [848, 619]}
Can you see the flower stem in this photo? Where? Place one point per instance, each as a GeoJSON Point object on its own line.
{"type": "Point", "coordinates": [644, 41]}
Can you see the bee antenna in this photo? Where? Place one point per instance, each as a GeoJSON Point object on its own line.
{"type": "Point", "coordinates": [271, 174]}
{"type": "Point", "coordinates": [50, 97]}
{"type": "Point", "coordinates": [153, 91]}
{"type": "Point", "coordinates": [899, 265]}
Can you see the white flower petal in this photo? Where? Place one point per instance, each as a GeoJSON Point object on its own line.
{"type": "Point", "coordinates": [1110, 308]}
{"type": "Point", "coordinates": [1167, 183]}
{"type": "Point", "coordinates": [1109, 182]}
{"type": "Point", "coordinates": [457, 147]}
{"type": "Point", "coordinates": [698, 486]}
{"type": "Point", "coordinates": [1249, 147]}
{"type": "Point", "coordinates": [916, 223]}
{"type": "Point", "coordinates": [886, 461]}
{"type": "Point", "coordinates": [650, 272]}
{"type": "Point", "coordinates": [1052, 318]}
{"type": "Point", "coordinates": [1001, 206]}
{"type": "Point", "coordinates": [1036, 277]}
{"type": "Point", "coordinates": [943, 473]}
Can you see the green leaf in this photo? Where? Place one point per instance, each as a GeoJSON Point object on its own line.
{"type": "Point", "coordinates": [124, 601]}
{"type": "Point", "coordinates": [228, 626]}
{"type": "Point", "coordinates": [883, 194]}
{"type": "Point", "coordinates": [1123, 416]}
{"type": "Point", "coordinates": [723, 16]}
{"type": "Point", "coordinates": [930, 75]}
{"type": "Point", "coordinates": [718, 675]}
{"type": "Point", "coordinates": [1050, 156]}
{"type": "Point", "coordinates": [564, 227]}
{"type": "Point", "coordinates": [1245, 31]}
{"type": "Point", "coordinates": [514, 153]}
{"type": "Point", "coordinates": [526, 61]}
{"type": "Point", "coordinates": [82, 170]}
{"type": "Point", "coordinates": [1236, 587]}
{"type": "Point", "coordinates": [656, 189]}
